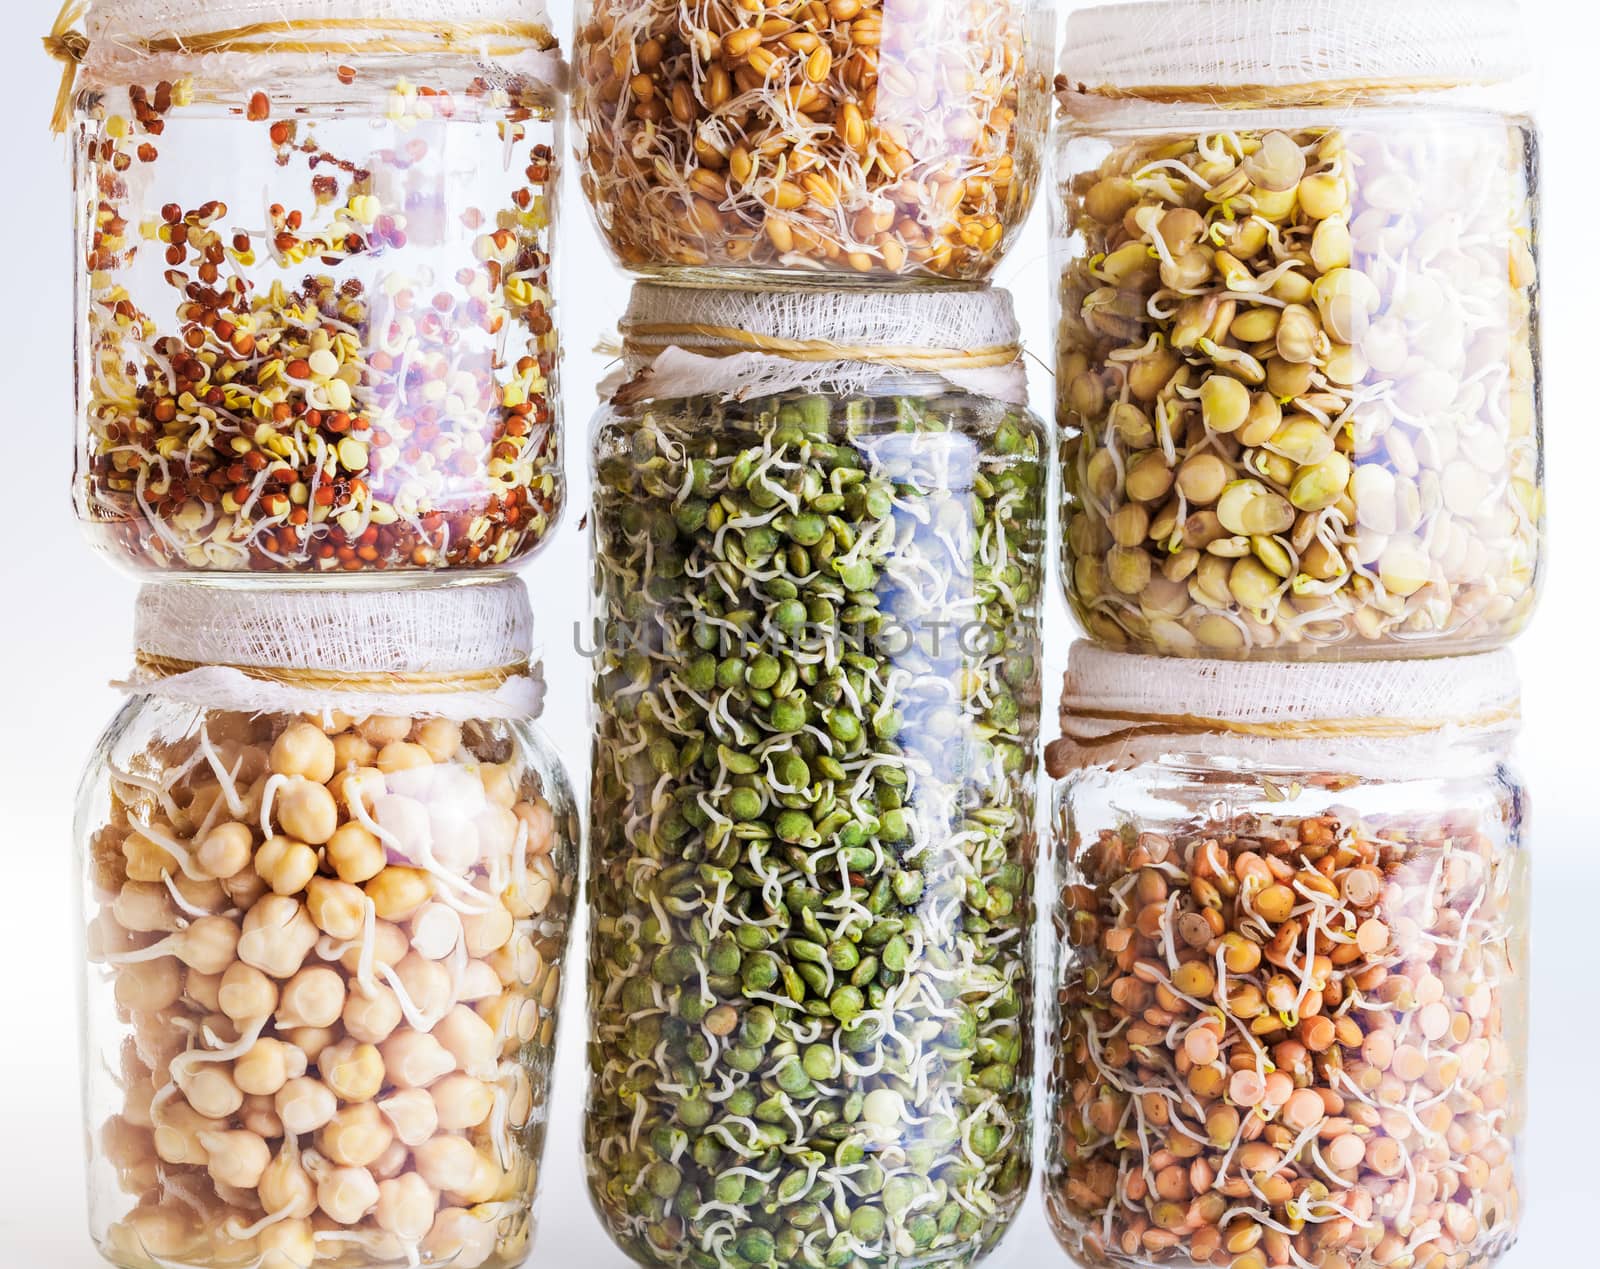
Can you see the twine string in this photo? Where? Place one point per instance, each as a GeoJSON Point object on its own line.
{"type": "Point", "coordinates": [1140, 725]}
{"type": "Point", "coordinates": [436, 683]}
{"type": "Point", "coordinates": [723, 341]}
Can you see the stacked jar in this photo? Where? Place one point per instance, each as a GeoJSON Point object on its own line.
{"type": "Point", "coordinates": [1298, 374]}
{"type": "Point", "coordinates": [818, 538]}
{"type": "Point", "coordinates": [327, 862]}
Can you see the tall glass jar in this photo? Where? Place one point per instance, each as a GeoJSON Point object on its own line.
{"type": "Point", "coordinates": [326, 886]}
{"type": "Point", "coordinates": [1290, 1007]}
{"type": "Point", "coordinates": [883, 140]}
{"type": "Point", "coordinates": [1298, 328]}
{"type": "Point", "coordinates": [314, 314]}
{"type": "Point", "coordinates": [816, 709]}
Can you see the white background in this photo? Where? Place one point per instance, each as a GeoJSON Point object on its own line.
{"type": "Point", "coordinates": [65, 622]}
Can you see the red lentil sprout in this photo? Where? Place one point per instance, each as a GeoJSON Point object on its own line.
{"type": "Point", "coordinates": [1345, 1097]}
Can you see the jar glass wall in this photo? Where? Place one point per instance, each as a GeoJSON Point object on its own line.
{"type": "Point", "coordinates": [323, 966]}
{"type": "Point", "coordinates": [884, 140]}
{"type": "Point", "coordinates": [314, 315]}
{"type": "Point", "coordinates": [816, 707]}
{"type": "Point", "coordinates": [1290, 1014]}
{"type": "Point", "coordinates": [1298, 365]}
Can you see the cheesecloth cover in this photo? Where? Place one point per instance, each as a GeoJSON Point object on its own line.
{"type": "Point", "coordinates": [1371, 718]}
{"type": "Point", "coordinates": [1288, 51]}
{"type": "Point", "coordinates": [456, 651]}
{"type": "Point", "coordinates": [120, 39]}
{"type": "Point", "coordinates": [690, 341]}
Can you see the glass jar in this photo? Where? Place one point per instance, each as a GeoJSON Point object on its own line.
{"type": "Point", "coordinates": [314, 314]}
{"type": "Point", "coordinates": [326, 889]}
{"type": "Point", "coordinates": [1298, 329]}
{"type": "Point", "coordinates": [883, 140]}
{"type": "Point", "coordinates": [1291, 994]}
{"type": "Point", "coordinates": [810, 878]}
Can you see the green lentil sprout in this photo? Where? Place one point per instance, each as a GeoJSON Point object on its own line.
{"type": "Point", "coordinates": [812, 844]}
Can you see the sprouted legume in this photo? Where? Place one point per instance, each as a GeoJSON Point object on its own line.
{"type": "Point", "coordinates": [335, 949]}
{"type": "Point", "coordinates": [810, 867]}
{"type": "Point", "coordinates": [311, 345]}
{"type": "Point", "coordinates": [1291, 1041]}
{"type": "Point", "coordinates": [1299, 391]}
{"type": "Point", "coordinates": [825, 135]}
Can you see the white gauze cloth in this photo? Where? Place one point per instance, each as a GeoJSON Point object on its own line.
{"type": "Point", "coordinates": [436, 629]}
{"type": "Point", "coordinates": [1282, 44]}
{"type": "Point", "coordinates": [487, 31]}
{"type": "Point", "coordinates": [1362, 717]}
{"type": "Point", "coordinates": [663, 361]}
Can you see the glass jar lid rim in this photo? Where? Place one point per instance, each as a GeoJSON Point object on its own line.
{"type": "Point", "coordinates": [1191, 49]}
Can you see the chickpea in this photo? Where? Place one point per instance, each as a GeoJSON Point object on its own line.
{"type": "Point", "coordinates": [469, 1039]}
{"type": "Point", "coordinates": [145, 859]}
{"type": "Point", "coordinates": [303, 750]}
{"type": "Point", "coordinates": [211, 1090]}
{"type": "Point", "coordinates": [398, 892]}
{"type": "Point", "coordinates": [361, 786]}
{"type": "Point", "coordinates": [204, 990]}
{"type": "Point", "coordinates": [435, 931]}
{"type": "Point", "coordinates": [260, 1116]}
{"type": "Point", "coordinates": [278, 935]}
{"type": "Point", "coordinates": [401, 755]}
{"type": "Point", "coordinates": [306, 810]}
{"type": "Point", "coordinates": [461, 1102]}
{"type": "Point", "coordinates": [305, 1104]}
{"type": "Point", "coordinates": [383, 729]}
{"type": "Point", "coordinates": [447, 1163]}
{"type": "Point", "coordinates": [488, 1180]}
{"type": "Point", "coordinates": [413, 1115]}
{"type": "Point", "coordinates": [204, 895]}
{"type": "Point", "coordinates": [497, 832]}
{"type": "Point", "coordinates": [310, 1040]}
{"type": "Point", "coordinates": [285, 864]}
{"type": "Point", "coordinates": [460, 1238]}
{"type": "Point", "coordinates": [356, 1136]}
{"type": "Point", "coordinates": [246, 994]}
{"type": "Point", "coordinates": [336, 907]}
{"type": "Point", "coordinates": [346, 1194]}
{"type": "Point", "coordinates": [488, 931]}
{"type": "Point", "coordinates": [166, 1230]}
{"type": "Point", "coordinates": [371, 1017]}
{"type": "Point", "coordinates": [414, 1059]}
{"type": "Point", "coordinates": [236, 1158]}
{"type": "Point", "coordinates": [268, 1066]}
{"type": "Point", "coordinates": [427, 983]}
{"type": "Point", "coordinates": [479, 982]}
{"type": "Point", "coordinates": [355, 1072]}
{"type": "Point", "coordinates": [389, 946]}
{"type": "Point", "coordinates": [148, 986]}
{"type": "Point", "coordinates": [145, 908]}
{"type": "Point", "coordinates": [352, 750]}
{"type": "Point", "coordinates": [356, 855]}
{"type": "Point", "coordinates": [391, 1163]}
{"type": "Point", "coordinates": [209, 944]}
{"type": "Point", "coordinates": [286, 1185]}
{"type": "Point", "coordinates": [314, 997]}
{"type": "Point", "coordinates": [541, 822]}
{"type": "Point", "coordinates": [499, 783]}
{"type": "Point", "coordinates": [406, 1207]}
{"type": "Point", "coordinates": [178, 1131]}
{"type": "Point", "coordinates": [289, 1244]}
{"type": "Point", "coordinates": [245, 888]}
{"type": "Point", "coordinates": [126, 1144]}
